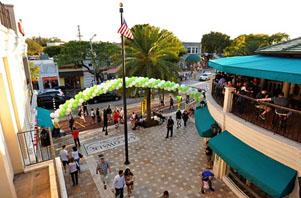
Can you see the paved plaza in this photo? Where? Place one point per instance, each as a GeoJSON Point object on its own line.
{"type": "Point", "coordinates": [174, 164]}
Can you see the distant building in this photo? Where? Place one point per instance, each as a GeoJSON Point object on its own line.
{"type": "Point", "coordinates": [54, 44]}
{"type": "Point", "coordinates": [192, 58]}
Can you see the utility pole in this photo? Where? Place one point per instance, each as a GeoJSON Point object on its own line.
{"type": "Point", "coordinates": [79, 35]}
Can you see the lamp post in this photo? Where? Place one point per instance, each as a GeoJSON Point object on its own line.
{"type": "Point", "coordinates": [124, 95]}
{"type": "Point", "coordinates": [93, 64]}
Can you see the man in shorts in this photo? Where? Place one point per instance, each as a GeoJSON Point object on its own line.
{"type": "Point", "coordinates": [103, 168]}
{"type": "Point", "coordinates": [64, 156]}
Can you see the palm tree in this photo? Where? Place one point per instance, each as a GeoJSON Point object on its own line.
{"type": "Point", "coordinates": [153, 53]}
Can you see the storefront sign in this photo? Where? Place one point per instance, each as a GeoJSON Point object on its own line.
{"type": "Point", "coordinates": [113, 142]}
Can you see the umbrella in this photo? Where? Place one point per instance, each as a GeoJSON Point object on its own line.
{"type": "Point", "coordinates": [206, 174]}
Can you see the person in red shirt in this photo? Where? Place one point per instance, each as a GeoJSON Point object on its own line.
{"type": "Point", "coordinates": [116, 118]}
{"type": "Point", "coordinates": [75, 136]}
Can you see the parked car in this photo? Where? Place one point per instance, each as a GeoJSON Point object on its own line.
{"type": "Point", "coordinates": [46, 100]}
{"type": "Point", "coordinates": [205, 76]}
{"type": "Point", "coordinates": [109, 96]}
{"type": "Point", "coordinates": [53, 92]}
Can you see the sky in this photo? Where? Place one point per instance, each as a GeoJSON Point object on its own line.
{"type": "Point", "coordinates": [187, 19]}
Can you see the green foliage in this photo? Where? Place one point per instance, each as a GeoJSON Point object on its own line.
{"type": "Point", "coordinates": [215, 42]}
{"type": "Point", "coordinates": [43, 41]}
{"type": "Point", "coordinates": [53, 50]}
{"type": "Point", "coordinates": [34, 71]}
{"type": "Point", "coordinates": [245, 45]}
{"type": "Point", "coordinates": [33, 48]}
{"type": "Point", "coordinates": [108, 54]}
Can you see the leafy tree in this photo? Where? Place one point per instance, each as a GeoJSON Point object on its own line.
{"type": "Point", "coordinates": [215, 42]}
{"type": "Point", "coordinates": [34, 71]}
{"type": "Point", "coordinates": [33, 48]}
{"type": "Point", "coordinates": [43, 41]}
{"type": "Point", "coordinates": [75, 52]}
{"type": "Point", "coordinates": [53, 50]}
{"type": "Point", "coordinates": [153, 53]}
{"type": "Point", "coordinates": [245, 45]}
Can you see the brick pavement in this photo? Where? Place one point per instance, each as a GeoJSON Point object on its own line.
{"type": "Point", "coordinates": [159, 164]}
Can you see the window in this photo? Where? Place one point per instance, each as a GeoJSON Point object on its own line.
{"type": "Point", "coordinates": [193, 50]}
{"type": "Point", "coordinates": [196, 50]}
{"type": "Point", "coordinates": [189, 50]}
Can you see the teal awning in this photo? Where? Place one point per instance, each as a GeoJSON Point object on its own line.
{"type": "Point", "coordinates": [203, 121]}
{"type": "Point", "coordinates": [193, 58]}
{"type": "Point", "coordinates": [270, 175]}
{"type": "Point", "coordinates": [267, 67]}
{"type": "Point", "coordinates": [43, 118]}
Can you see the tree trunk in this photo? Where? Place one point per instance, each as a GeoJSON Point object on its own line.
{"type": "Point", "coordinates": [148, 106]}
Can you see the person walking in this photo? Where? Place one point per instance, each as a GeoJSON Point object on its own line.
{"type": "Point", "coordinates": [85, 105]}
{"type": "Point", "coordinates": [98, 116]}
{"type": "Point", "coordinates": [64, 157]}
{"type": "Point", "coordinates": [179, 118]}
{"type": "Point", "coordinates": [93, 116]}
{"type": "Point", "coordinates": [118, 184]}
{"type": "Point", "coordinates": [171, 102]}
{"type": "Point", "coordinates": [169, 126]}
{"type": "Point", "coordinates": [129, 180]}
{"type": "Point", "coordinates": [71, 123]}
{"type": "Point", "coordinates": [103, 168]}
{"type": "Point", "coordinates": [73, 171]}
{"type": "Point", "coordinates": [109, 113]}
{"type": "Point", "coordinates": [208, 152]}
{"type": "Point", "coordinates": [165, 194]}
{"type": "Point", "coordinates": [116, 118]}
{"type": "Point", "coordinates": [185, 117]}
{"type": "Point", "coordinates": [75, 133]}
{"type": "Point", "coordinates": [121, 116]}
{"type": "Point", "coordinates": [81, 114]}
{"type": "Point", "coordinates": [76, 155]}
{"type": "Point", "coordinates": [105, 121]}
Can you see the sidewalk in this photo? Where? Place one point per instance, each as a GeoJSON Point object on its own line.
{"type": "Point", "coordinates": [159, 164]}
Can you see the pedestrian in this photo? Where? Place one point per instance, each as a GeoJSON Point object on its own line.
{"type": "Point", "coordinates": [185, 117]}
{"type": "Point", "coordinates": [76, 155]}
{"type": "Point", "coordinates": [81, 114]}
{"type": "Point", "coordinates": [162, 101]}
{"type": "Point", "coordinates": [98, 115]}
{"type": "Point", "coordinates": [205, 185]}
{"type": "Point", "coordinates": [133, 119]}
{"type": "Point", "coordinates": [179, 118]}
{"type": "Point", "coordinates": [75, 133]}
{"type": "Point", "coordinates": [171, 102]}
{"type": "Point", "coordinates": [118, 184]}
{"type": "Point", "coordinates": [56, 129]}
{"type": "Point", "coordinates": [116, 118]}
{"type": "Point", "coordinates": [208, 152]}
{"type": "Point", "coordinates": [73, 171]}
{"type": "Point", "coordinates": [105, 122]}
{"type": "Point", "coordinates": [64, 157]}
{"type": "Point", "coordinates": [165, 194]}
{"type": "Point", "coordinates": [103, 168]}
{"type": "Point", "coordinates": [85, 105]}
{"type": "Point", "coordinates": [109, 113]}
{"type": "Point", "coordinates": [129, 180]}
{"type": "Point", "coordinates": [121, 116]}
{"type": "Point", "coordinates": [209, 175]}
{"type": "Point", "coordinates": [71, 123]}
{"type": "Point", "coordinates": [169, 126]}
{"type": "Point", "coordinates": [93, 116]}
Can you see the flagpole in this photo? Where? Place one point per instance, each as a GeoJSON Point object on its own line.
{"type": "Point", "coordinates": [124, 95]}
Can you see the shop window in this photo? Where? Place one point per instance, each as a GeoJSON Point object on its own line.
{"type": "Point", "coordinates": [251, 190]}
{"type": "Point", "coordinates": [72, 82]}
{"type": "Point", "coordinates": [196, 50]}
{"type": "Point", "coordinates": [189, 50]}
{"type": "Point", "coordinates": [193, 50]}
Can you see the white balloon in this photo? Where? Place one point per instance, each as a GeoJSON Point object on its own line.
{"type": "Point", "coordinates": [52, 115]}
{"type": "Point", "coordinates": [56, 115]}
{"type": "Point", "coordinates": [72, 100]}
{"type": "Point", "coordinates": [69, 105]}
{"type": "Point", "coordinates": [68, 110]}
{"type": "Point", "coordinates": [61, 106]}
{"type": "Point", "coordinates": [93, 94]}
{"type": "Point", "coordinates": [81, 100]}
{"type": "Point", "coordinates": [56, 120]}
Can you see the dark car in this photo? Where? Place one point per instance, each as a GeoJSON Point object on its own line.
{"type": "Point", "coordinates": [109, 96]}
{"type": "Point", "coordinates": [46, 100]}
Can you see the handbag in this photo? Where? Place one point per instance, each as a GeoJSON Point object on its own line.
{"type": "Point", "coordinates": [80, 155]}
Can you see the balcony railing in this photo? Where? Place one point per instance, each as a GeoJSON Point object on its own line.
{"type": "Point", "coordinates": [4, 16]}
{"type": "Point", "coordinates": [281, 120]}
{"type": "Point", "coordinates": [218, 93]}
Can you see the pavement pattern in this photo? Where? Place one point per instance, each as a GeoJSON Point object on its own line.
{"type": "Point", "coordinates": [174, 164]}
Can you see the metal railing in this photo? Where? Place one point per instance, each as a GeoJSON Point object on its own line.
{"type": "Point", "coordinates": [35, 146]}
{"type": "Point", "coordinates": [281, 120]}
{"type": "Point", "coordinates": [4, 16]}
{"type": "Point", "coordinates": [218, 93]}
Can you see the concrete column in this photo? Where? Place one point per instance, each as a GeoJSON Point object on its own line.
{"type": "Point", "coordinates": [211, 81]}
{"type": "Point", "coordinates": [286, 88]}
{"type": "Point", "coordinates": [228, 99]}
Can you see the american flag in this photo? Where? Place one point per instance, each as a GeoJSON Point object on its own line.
{"type": "Point", "coordinates": [125, 30]}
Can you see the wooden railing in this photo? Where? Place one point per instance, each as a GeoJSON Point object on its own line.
{"type": "Point", "coordinates": [5, 17]}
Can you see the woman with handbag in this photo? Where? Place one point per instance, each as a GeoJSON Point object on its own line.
{"type": "Point", "coordinates": [76, 155]}
{"type": "Point", "coordinates": [73, 171]}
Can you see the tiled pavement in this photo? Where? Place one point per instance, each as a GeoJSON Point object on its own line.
{"type": "Point", "coordinates": [159, 164]}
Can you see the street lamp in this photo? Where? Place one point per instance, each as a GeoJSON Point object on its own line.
{"type": "Point", "coordinates": [93, 65]}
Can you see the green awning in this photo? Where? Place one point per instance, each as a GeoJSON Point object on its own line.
{"type": "Point", "coordinates": [203, 121]}
{"type": "Point", "coordinates": [267, 67]}
{"type": "Point", "coordinates": [43, 118]}
{"type": "Point", "coordinates": [193, 58]}
{"type": "Point", "coordinates": [270, 175]}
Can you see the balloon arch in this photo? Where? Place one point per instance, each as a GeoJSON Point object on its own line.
{"type": "Point", "coordinates": [110, 85]}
